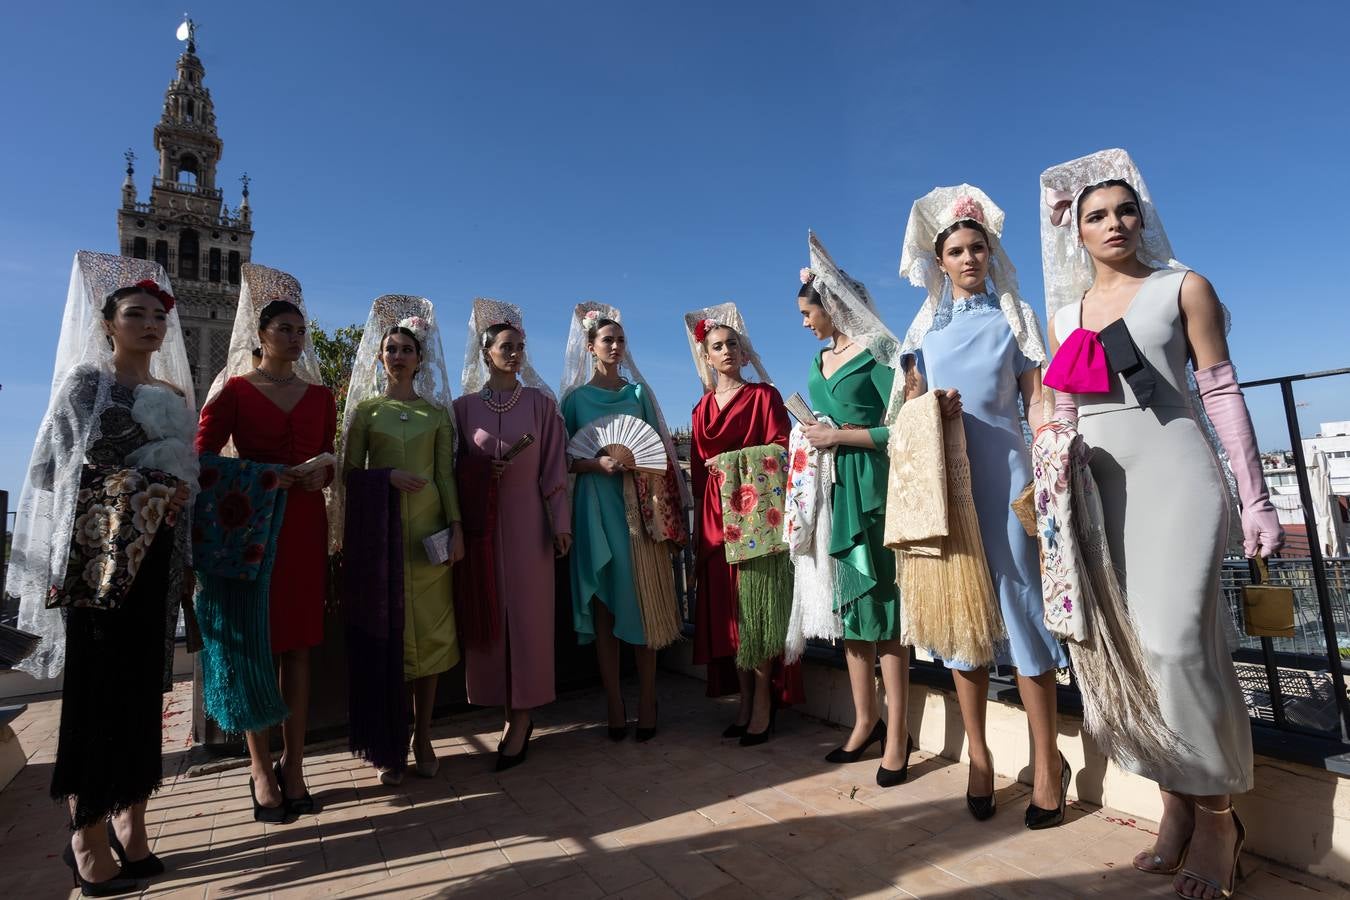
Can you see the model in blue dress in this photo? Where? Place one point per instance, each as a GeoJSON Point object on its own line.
{"type": "Point", "coordinates": [975, 354]}
{"type": "Point", "coordinates": [981, 350]}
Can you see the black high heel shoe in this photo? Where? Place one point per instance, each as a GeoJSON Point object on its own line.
{"type": "Point", "coordinates": [646, 734]}
{"type": "Point", "coordinates": [619, 732]}
{"type": "Point", "coordinates": [754, 739]}
{"type": "Point", "coordinates": [505, 762]}
{"type": "Point", "coordinates": [146, 867]}
{"type": "Point", "coordinates": [1038, 818]}
{"type": "Point", "coordinates": [734, 731]}
{"type": "Point", "coordinates": [840, 755]}
{"type": "Point", "coordinates": [118, 884]}
{"type": "Point", "coordinates": [891, 777]}
{"type": "Point", "coordinates": [272, 815]}
{"type": "Point", "coordinates": [982, 808]}
{"type": "Point", "coordinates": [302, 805]}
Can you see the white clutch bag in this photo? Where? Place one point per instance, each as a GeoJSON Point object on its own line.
{"type": "Point", "coordinates": [437, 546]}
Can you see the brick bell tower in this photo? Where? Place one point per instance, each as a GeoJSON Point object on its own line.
{"type": "Point", "coordinates": [185, 225]}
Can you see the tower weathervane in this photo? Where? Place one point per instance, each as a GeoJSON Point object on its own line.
{"type": "Point", "coordinates": [187, 31]}
{"type": "Point", "coordinates": [130, 157]}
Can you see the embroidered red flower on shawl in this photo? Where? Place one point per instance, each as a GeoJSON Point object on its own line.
{"type": "Point", "coordinates": [744, 500]}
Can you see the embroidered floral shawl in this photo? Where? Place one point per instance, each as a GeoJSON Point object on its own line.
{"type": "Point", "coordinates": [238, 513]}
{"type": "Point", "coordinates": [1057, 449]}
{"type": "Point", "coordinates": [753, 501]}
{"type": "Point", "coordinates": [118, 512]}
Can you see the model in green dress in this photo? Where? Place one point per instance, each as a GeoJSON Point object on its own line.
{"type": "Point", "coordinates": [416, 439]}
{"type": "Point", "coordinates": [853, 387]}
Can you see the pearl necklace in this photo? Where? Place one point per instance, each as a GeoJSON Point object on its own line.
{"type": "Point", "coordinates": [487, 395]}
{"type": "Point", "coordinates": [274, 379]}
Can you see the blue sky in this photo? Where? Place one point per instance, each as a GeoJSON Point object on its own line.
{"type": "Point", "coordinates": [666, 157]}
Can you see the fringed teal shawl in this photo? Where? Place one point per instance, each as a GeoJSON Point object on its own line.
{"type": "Point", "coordinates": [234, 531]}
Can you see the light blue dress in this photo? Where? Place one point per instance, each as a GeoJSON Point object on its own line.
{"type": "Point", "coordinates": [974, 351]}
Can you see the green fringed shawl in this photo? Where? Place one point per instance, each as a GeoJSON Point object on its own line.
{"type": "Point", "coordinates": [753, 493]}
{"type": "Point", "coordinates": [239, 680]}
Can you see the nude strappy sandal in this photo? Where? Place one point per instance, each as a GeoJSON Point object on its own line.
{"type": "Point", "coordinates": [1235, 873]}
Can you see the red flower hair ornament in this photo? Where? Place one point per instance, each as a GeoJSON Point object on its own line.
{"type": "Point", "coordinates": [146, 286]}
{"type": "Point", "coordinates": [703, 327]}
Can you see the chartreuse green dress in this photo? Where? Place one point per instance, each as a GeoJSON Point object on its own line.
{"type": "Point", "coordinates": [601, 562]}
{"type": "Point", "coordinates": [866, 594]}
{"type": "Point", "coordinates": [417, 437]}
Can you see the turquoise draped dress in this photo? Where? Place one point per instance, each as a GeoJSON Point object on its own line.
{"type": "Point", "coordinates": [601, 563]}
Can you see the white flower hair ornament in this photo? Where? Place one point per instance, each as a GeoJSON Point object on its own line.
{"type": "Point", "coordinates": [418, 326]}
{"type": "Point", "coordinates": [806, 275]}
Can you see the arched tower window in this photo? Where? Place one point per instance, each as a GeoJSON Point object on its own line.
{"type": "Point", "coordinates": [138, 247]}
{"type": "Point", "coordinates": [234, 267]}
{"type": "Point", "coordinates": [188, 169]}
{"type": "Point", "coordinates": [213, 264]}
{"type": "Point", "coordinates": [187, 254]}
{"type": "Point", "coordinates": [162, 254]}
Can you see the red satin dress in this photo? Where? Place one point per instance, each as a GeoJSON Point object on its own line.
{"type": "Point", "coordinates": [264, 433]}
{"type": "Point", "coordinates": [754, 416]}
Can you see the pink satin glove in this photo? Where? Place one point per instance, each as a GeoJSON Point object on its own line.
{"type": "Point", "coordinates": [1226, 408]}
{"type": "Point", "coordinates": [1065, 409]}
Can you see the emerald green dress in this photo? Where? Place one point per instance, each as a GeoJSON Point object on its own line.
{"type": "Point", "coordinates": [867, 597]}
{"type": "Point", "coordinates": [601, 562]}
{"type": "Point", "coordinates": [417, 437]}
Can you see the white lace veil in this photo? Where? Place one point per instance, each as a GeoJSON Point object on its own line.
{"type": "Point", "coordinates": [261, 286]}
{"type": "Point", "coordinates": [578, 366]}
{"type": "Point", "coordinates": [81, 390]}
{"type": "Point", "coordinates": [933, 214]}
{"type": "Point", "coordinates": [722, 314]}
{"type": "Point", "coordinates": [1069, 270]}
{"type": "Point", "coordinates": [854, 312]}
{"type": "Point", "coordinates": [1068, 267]}
{"type": "Point", "coordinates": [487, 312]}
{"type": "Point", "coordinates": [369, 379]}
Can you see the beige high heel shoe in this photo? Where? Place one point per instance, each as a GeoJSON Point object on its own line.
{"type": "Point", "coordinates": [1235, 873]}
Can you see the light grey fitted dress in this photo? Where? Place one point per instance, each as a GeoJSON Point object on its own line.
{"type": "Point", "coordinates": [1167, 508]}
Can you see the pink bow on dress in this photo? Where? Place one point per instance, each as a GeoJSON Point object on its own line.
{"type": "Point", "coordinates": [1080, 365]}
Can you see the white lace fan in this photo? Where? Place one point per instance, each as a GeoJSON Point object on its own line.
{"type": "Point", "coordinates": [627, 438]}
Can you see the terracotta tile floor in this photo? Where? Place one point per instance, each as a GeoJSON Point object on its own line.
{"type": "Point", "coordinates": [686, 815]}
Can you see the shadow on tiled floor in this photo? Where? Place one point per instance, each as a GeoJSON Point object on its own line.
{"type": "Point", "coordinates": [686, 815]}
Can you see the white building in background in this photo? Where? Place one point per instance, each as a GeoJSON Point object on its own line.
{"type": "Point", "coordinates": [1330, 489]}
{"type": "Point", "coordinates": [1334, 441]}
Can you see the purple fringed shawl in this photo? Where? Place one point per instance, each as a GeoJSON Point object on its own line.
{"type": "Point", "coordinates": [373, 594]}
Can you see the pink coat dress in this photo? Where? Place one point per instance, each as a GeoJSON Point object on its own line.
{"type": "Point", "coordinates": [517, 670]}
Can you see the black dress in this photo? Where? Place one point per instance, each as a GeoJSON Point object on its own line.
{"type": "Point", "coordinates": [118, 662]}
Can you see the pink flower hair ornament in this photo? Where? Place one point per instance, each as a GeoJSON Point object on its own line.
{"type": "Point", "coordinates": [704, 327]}
{"type": "Point", "coordinates": [806, 275]}
{"type": "Point", "coordinates": [967, 207]}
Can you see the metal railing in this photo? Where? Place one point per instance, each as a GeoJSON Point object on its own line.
{"type": "Point", "coordinates": [185, 188]}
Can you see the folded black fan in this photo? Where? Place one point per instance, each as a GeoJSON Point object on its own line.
{"type": "Point", "coordinates": [15, 646]}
